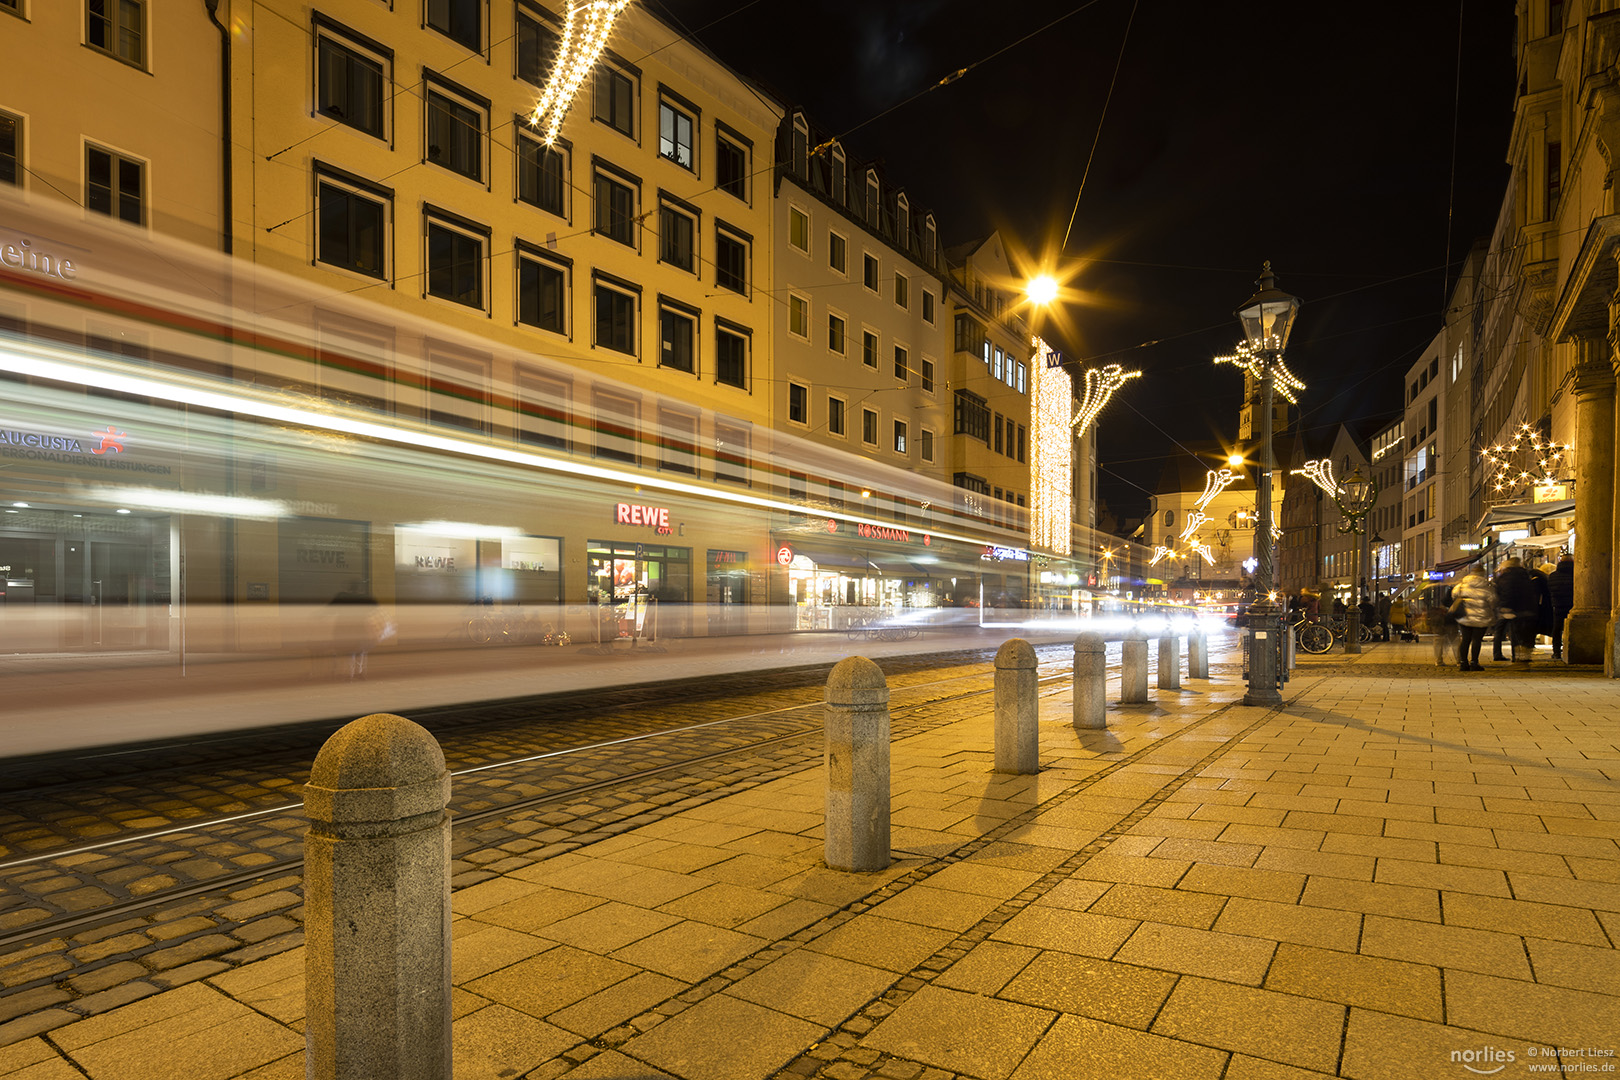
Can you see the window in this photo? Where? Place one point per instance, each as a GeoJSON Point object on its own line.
{"type": "Point", "coordinates": [731, 357]}
{"type": "Point", "coordinates": [114, 185]}
{"type": "Point", "coordinates": [869, 424]}
{"type": "Point", "coordinates": [995, 365]}
{"type": "Point", "coordinates": [458, 20]}
{"type": "Point", "coordinates": [902, 222]}
{"type": "Point", "coordinates": [837, 178]}
{"type": "Point", "coordinates": [730, 261]}
{"type": "Point", "coordinates": [799, 486]}
{"type": "Point", "coordinates": [615, 209]}
{"type": "Point", "coordinates": [730, 452]}
{"type": "Point", "coordinates": [455, 134]}
{"type": "Point", "coordinates": [1023, 443]}
{"type": "Point", "coordinates": [925, 444]}
{"type": "Point", "coordinates": [799, 229]}
{"type": "Point", "coordinates": [615, 318]}
{"type": "Point", "coordinates": [118, 28]}
{"type": "Point", "coordinates": [930, 241]}
{"type": "Point", "coordinates": [536, 48]}
{"type": "Point", "coordinates": [996, 426]}
{"type": "Point", "coordinates": [1555, 178]}
{"type": "Point", "coordinates": [616, 427]}
{"type": "Point", "coordinates": [902, 363]}
{"type": "Point", "coordinates": [731, 166]}
{"type": "Point", "coordinates": [542, 173]}
{"type": "Point", "coordinates": [459, 391]}
{"type": "Point", "coordinates": [677, 441]}
{"type": "Point", "coordinates": [836, 252]}
{"type": "Point", "coordinates": [677, 330]}
{"type": "Point", "coordinates": [542, 293]}
{"type": "Point", "coordinates": [801, 147]}
{"type": "Point", "coordinates": [972, 416]}
{"type": "Point", "coordinates": [351, 228]}
{"type": "Point", "coordinates": [900, 436]}
{"type": "Point", "coordinates": [869, 348]}
{"type": "Point", "coordinates": [799, 317]}
{"type": "Point", "coordinates": [928, 307]}
{"type": "Point", "coordinates": [925, 374]}
{"type": "Point", "coordinates": [615, 99]}
{"type": "Point", "coordinates": [869, 273]}
{"type": "Point", "coordinates": [455, 261]}
{"type": "Point", "coordinates": [10, 149]}
{"type": "Point", "coordinates": [543, 403]}
{"type": "Point", "coordinates": [970, 335]}
{"type": "Point", "coordinates": [352, 84]}
{"type": "Point", "coordinates": [902, 291]}
{"type": "Point", "coordinates": [677, 237]}
{"type": "Point", "coordinates": [872, 198]}
{"type": "Point", "coordinates": [835, 334]}
{"type": "Point", "coordinates": [798, 403]}
{"type": "Point", "coordinates": [835, 494]}
{"type": "Point", "coordinates": [835, 415]}
{"type": "Point", "coordinates": [675, 135]}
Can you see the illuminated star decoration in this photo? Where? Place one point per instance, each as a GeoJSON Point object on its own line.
{"type": "Point", "coordinates": [1284, 381]}
{"type": "Point", "coordinates": [1526, 460]}
{"type": "Point", "coordinates": [1214, 484]}
{"type": "Point", "coordinates": [1100, 386]}
{"type": "Point", "coordinates": [585, 32]}
{"type": "Point", "coordinates": [1320, 473]}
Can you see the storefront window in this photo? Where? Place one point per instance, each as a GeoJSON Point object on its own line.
{"type": "Point", "coordinates": [640, 590]}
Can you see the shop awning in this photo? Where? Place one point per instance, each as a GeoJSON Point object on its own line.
{"type": "Point", "coordinates": [1545, 540]}
{"type": "Point", "coordinates": [833, 558]}
{"type": "Point", "coordinates": [1523, 513]}
{"type": "Point", "coordinates": [1449, 565]}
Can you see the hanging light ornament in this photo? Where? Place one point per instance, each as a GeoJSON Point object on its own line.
{"type": "Point", "coordinates": [1285, 382]}
{"type": "Point", "coordinates": [585, 32]}
{"type": "Point", "coordinates": [1320, 473]}
{"type": "Point", "coordinates": [1100, 386]}
{"type": "Point", "coordinates": [1527, 460]}
{"type": "Point", "coordinates": [1195, 519]}
{"type": "Point", "coordinates": [1215, 483]}
{"type": "Point", "coordinates": [1160, 553]}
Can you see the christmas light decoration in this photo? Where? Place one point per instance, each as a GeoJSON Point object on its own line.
{"type": "Point", "coordinates": [1215, 483]}
{"type": "Point", "coordinates": [1320, 473]}
{"type": "Point", "coordinates": [1285, 382]}
{"type": "Point", "coordinates": [1195, 519]}
{"type": "Point", "coordinates": [1525, 461]}
{"type": "Point", "coordinates": [1100, 386]}
{"type": "Point", "coordinates": [585, 32]}
{"type": "Point", "coordinates": [1051, 469]}
{"type": "Point", "coordinates": [1203, 549]}
{"type": "Point", "coordinates": [1160, 553]}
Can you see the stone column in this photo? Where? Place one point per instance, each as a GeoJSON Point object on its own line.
{"type": "Point", "coordinates": [856, 717]}
{"type": "Point", "coordinates": [1133, 680]}
{"type": "Point", "coordinates": [1197, 655]}
{"type": "Point", "coordinates": [1587, 627]}
{"type": "Point", "coordinates": [1169, 662]}
{"type": "Point", "coordinates": [1017, 711]}
{"type": "Point", "coordinates": [377, 889]}
{"type": "Point", "coordinates": [1090, 682]}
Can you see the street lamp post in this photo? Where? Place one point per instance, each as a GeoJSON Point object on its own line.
{"type": "Point", "coordinates": [1355, 498]}
{"type": "Point", "coordinates": [1267, 318]}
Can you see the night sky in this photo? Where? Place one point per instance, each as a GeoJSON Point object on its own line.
{"type": "Point", "coordinates": [1319, 137]}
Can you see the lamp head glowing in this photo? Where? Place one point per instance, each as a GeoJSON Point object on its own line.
{"type": "Point", "coordinates": [1041, 290]}
{"type": "Point", "coordinates": [1234, 460]}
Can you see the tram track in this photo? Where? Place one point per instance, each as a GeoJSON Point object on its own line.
{"type": "Point", "coordinates": [220, 828]}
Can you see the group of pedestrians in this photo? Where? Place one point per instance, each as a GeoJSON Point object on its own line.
{"type": "Point", "coordinates": [1520, 603]}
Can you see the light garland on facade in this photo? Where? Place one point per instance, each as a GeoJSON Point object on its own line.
{"type": "Point", "coordinates": [585, 32]}
{"type": "Point", "coordinates": [1285, 382]}
{"type": "Point", "coordinates": [1320, 473]}
{"type": "Point", "coordinates": [1100, 386]}
{"type": "Point", "coordinates": [1051, 467]}
{"type": "Point", "coordinates": [1509, 461]}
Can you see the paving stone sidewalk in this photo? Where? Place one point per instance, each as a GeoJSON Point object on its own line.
{"type": "Point", "coordinates": [1388, 877]}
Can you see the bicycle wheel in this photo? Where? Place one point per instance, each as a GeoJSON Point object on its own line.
{"type": "Point", "coordinates": [1366, 632]}
{"type": "Point", "coordinates": [481, 629]}
{"type": "Point", "coordinates": [1315, 638]}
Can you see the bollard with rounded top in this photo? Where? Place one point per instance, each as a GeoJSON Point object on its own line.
{"type": "Point", "coordinates": [1133, 680]}
{"type": "Point", "coordinates": [377, 894]}
{"type": "Point", "coordinates": [1017, 734]}
{"type": "Point", "coordinates": [856, 716]}
{"type": "Point", "coordinates": [1169, 662]}
{"type": "Point", "coordinates": [1090, 682]}
{"type": "Point", "coordinates": [1197, 655]}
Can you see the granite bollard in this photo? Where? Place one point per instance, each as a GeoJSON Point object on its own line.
{"type": "Point", "coordinates": [1169, 662]}
{"type": "Point", "coordinates": [1017, 710]}
{"type": "Point", "coordinates": [1197, 655]}
{"type": "Point", "coordinates": [1090, 682]}
{"type": "Point", "coordinates": [856, 716]}
{"type": "Point", "coordinates": [1133, 680]}
{"type": "Point", "coordinates": [377, 890]}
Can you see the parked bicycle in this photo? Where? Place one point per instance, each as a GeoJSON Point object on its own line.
{"type": "Point", "coordinates": [488, 624]}
{"type": "Point", "coordinates": [1313, 637]}
{"type": "Point", "coordinates": [870, 625]}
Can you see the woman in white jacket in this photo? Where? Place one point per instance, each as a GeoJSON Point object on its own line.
{"type": "Point", "coordinates": [1473, 602]}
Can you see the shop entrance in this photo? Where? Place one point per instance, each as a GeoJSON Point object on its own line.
{"type": "Point", "coordinates": [728, 591]}
{"type": "Point", "coordinates": [639, 590]}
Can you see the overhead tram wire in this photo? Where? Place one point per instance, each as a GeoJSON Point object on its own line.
{"type": "Point", "coordinates": [1097, 137]}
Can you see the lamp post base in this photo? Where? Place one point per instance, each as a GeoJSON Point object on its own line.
{"type": "Point", "coordinates": [1352, 630]}
{"type": "Point", "coordinates": [1264, 657]}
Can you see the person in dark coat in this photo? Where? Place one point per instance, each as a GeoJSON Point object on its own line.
{"type": "Point", "coordinates": [1544, 609]}
{"type": "Point", "coordinates": [1561, 591]}
{"type": "Point", "coordinates": [1338, 606]}
{"type": "Point", "coordinates": [1368, 612]}
{"type": "Point", "coordinates": [1383, 616]}
{"type": "Point", "coordinates": [1517, 604]}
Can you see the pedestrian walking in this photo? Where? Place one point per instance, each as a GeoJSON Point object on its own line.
{"type": "Point", "coordinates": [1561, 587]}
{"type": "Point", "coordinates": [1544, 608]}
{"type": "Point", "coordinates": [1445, 626]}
{"type": "Point", "coordinates": [1517, 607]}
{"type": "Point", "coordinates": [1473, 605]}
{"type": "Point", "coordinates": [1384, 607]}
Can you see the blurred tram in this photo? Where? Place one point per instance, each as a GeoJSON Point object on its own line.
{"type": "Point", "coordinates": [200, 456]}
